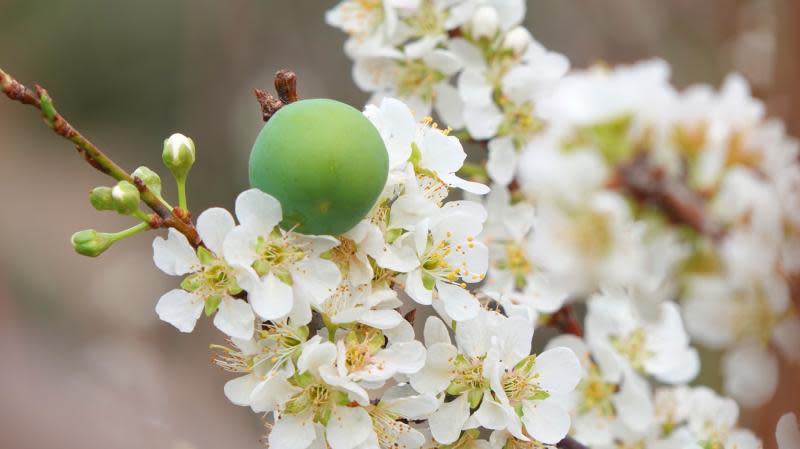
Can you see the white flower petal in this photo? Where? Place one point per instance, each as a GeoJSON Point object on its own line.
{"type": "Point", "coordinates": [235, 318]}
{"type": "Point", "coordinates": [213, 225]}
{"type": "Point", "coordinates": [435, 332]}
{"type": "Point", "coordinates": [316, 279]}
{"type": "Point", "coordinates": [443, 60]}
{"type": "Point", "coordinates": [404, 357]}
{"type": "Point", "coordinates": [545, 420]}
{"type": "Point", "coordinates": [271, 392]}
{"type": "Point", "coordinates": [174, 256]}
{"type": "Point", "coordinates": [787, 432]}
{"type": "Point", "coordinates": [502, 163]}
{"type": "Point", "coordinates": [447, 422]}
{"type": "Point", "coordinates": [416, 290]}
{"type": "Point", "coordinates": [436, 375]}
{"type": "Point", "coordinates": [412, 407]}
{"type": "Point", "coordinates": [293, 431]}
{"type": "Point", "coordinates": [751, 374]}
{"type": "Point", "coordinates": [270, 298]}
{"type": "Point", "coordinates": [474, 89]}
{"type": "Point", "coordinates": [258, 210]}
{"type": "Point", "coordinates": [559, 370]}
{"type": "Point", "coordinates": [381, 319]}
{"type": "Point", "coordinates": [449, 105]}
{"type": "Point", "coordinates": [238, 390]}
{"type": "Point", "coordinates": [239, 246]}
{"type": "Point", "coordinates": [315, 355]}
{"type": "Point", "coordinates": [491, 414]}
{"type": "Point", "coordinates": [180, 309]}
{"type": "Point", "coordinates": [458, 302]}
{"type": "Point", "coordinates": [482, 121]}
{"type": "Point", "coordinates": [348, 427]}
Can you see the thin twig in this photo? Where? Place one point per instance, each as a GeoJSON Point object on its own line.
{"type": "Point", "coordinates": [570, 443]}
{"type": "Point", "coordinates": [94, 156]}
{"type": "Point", "coordinates": [566, 321]}
{"type": "Point", "coordinates": [286, 87]}
{"type": "Point", "coordinates": [649, 184]}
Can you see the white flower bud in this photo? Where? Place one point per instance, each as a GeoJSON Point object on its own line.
{"type": "Point", "coordinates": [485, 22]}
{"type": "Point", "coordinates": [517, 40]}
{"type": "Point", "coordinates": [178, 155]}
{"type": "Point", "coordinates": [125, 197]}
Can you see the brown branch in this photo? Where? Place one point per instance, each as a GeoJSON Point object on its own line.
{"type": "Point", "coordinates": [566, 321]}
{"type": "Point", "coordinates": [93, 155]}
{"type": "Point", "coordinates": [650, 184]}
{"type": "Point", "coordinates": [570, 443]}
{"type": "Point", "coordinates": [285, 86]}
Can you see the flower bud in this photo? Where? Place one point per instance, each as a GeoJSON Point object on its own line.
{"type": "Point", "coordinates": [90, 242]}
{"type": "Point", "coordinates": [517, 40]}
{"type": "Point", "coordinates": [125, 197]}
{"type": "Point", "coordinates": [100, 197]}
{"type": "Point", "coordinates": [484, 22]}
{"type": "Point", "coordinates": [150, 179]}
{"type": "Point", "coordinates": [178, 155]}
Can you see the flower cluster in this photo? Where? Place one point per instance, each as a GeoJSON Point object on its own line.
{"type": "Point", "coordinates": [670, 215]}
{"type": "Point", "coordinates": [315, 330]}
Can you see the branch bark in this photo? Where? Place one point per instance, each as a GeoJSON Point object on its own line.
{"type": "Point", "coordinates": [570, 443]}
{"type": "Point", "coordinates": [286, 88]}
{"type": "Point", "coordinates": [94, 156]}
{"type": "Point", "coordinates": [650, 184]}
{"type": "Point", "coordinates": [566, 321]}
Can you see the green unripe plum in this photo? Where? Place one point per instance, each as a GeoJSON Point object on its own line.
{"type": "Point", "coordinates": [324, 161]}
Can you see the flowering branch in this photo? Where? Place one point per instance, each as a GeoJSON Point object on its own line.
{"type": "Point", "coordinates": [285, 86]}
{"type": "Point", "coordinates": [649, 184]}
{"type": "Point", "coordinates": [164, 216]}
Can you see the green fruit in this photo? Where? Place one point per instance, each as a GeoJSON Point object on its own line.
{"type": "Point", "coordinates": [325, 163]}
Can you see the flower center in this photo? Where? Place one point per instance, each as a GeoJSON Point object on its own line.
{"type": "Point", "coordinates": [521, 382]}
{"type": "Point", "coordinates": [415, 78]}
{"type": "Point", "coordinates": [361, 17]}
{"type": "Point", "coordinates": [518, 122]}
{"type": "Point", "coordinates": [590, 231]}
{"type": "Point", "coordinates": [428, 20]}
{"type": "Point", "coordinates": [468, 376]}
{"type": "Point", "coordinates": [517, 263]}
{"type": "Point", "coordinates": [632, 346]}
{"type": "Point", "coordinates": [596, 394]}
{"type": "Point", "coordinates": [275, 254]}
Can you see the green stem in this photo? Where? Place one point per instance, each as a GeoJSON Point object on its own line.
{"type": "Point", "coordinates": [117, 236]}
{"type": "Point", "coordinates": [182, 193]}
{"type": "Point", "coordinates": [141, 215]}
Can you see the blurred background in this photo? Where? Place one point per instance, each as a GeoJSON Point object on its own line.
{"type": "Point", "coordinates": [85, 361]}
